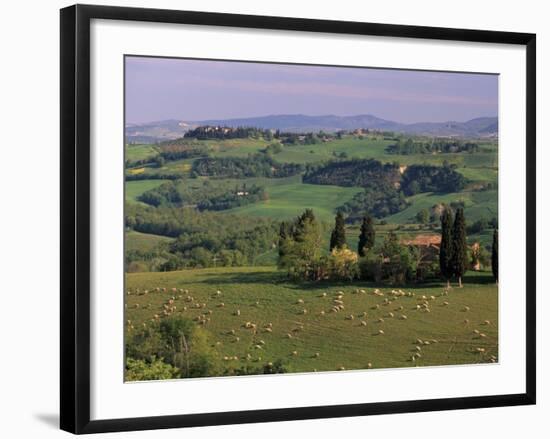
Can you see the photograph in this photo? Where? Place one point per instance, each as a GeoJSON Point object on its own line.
{"type": "Point", "coordinates": [297, 218]}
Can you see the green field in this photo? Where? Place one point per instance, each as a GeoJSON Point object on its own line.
{"type": "Point", "coordinates": [288, 201]}
{"type": "Point", "coordinates": [134, 189]}
{"type": "Point", "coordinates": [375, 148]}
{"type": "Point", "coordinates": [235, 147]}
{"type": "Point", "coordinates": [143, 241]}
{"type": "Point", "coordinates": [140, 152]}
{"type": "Point", "coordinates": [489, 175]}
{"type": "Point", "coordinates": [262, 296]}
{"type": "Point", "coordinates": [476, 205]}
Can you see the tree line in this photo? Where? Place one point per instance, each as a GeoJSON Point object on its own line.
{"type": "Point", "coordinates": [352, 173]}
{"type": "Point", "coordinates": [206, 132]}
{"type": "Point", "coordinates": [206, 197]}
{"type": "Point", "coordinates": [203, 239]}
{"type": "Point", "coordinates": [453, 250]}
{"type": "Point", "coordinates": [379, 197]}
{"type": "Point", "coordinates": [409, 146]}
{"type": "Point", "coordinates": [300, 252]}
{"type": "Point", "coordinates": [255, 165]}
{"type": "Point", "coordinates": [362, 173]}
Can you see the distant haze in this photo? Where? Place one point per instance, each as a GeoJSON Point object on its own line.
{"type": "Point", "coordinates": [191, 90]}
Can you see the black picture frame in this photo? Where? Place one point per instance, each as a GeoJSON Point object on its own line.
{"type": "Point", "coordinates": [75, 217]}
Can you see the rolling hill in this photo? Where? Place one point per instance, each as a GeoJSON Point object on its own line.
{"type": "Point", "coordinates": [152, 132]}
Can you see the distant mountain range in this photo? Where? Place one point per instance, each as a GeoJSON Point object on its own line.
{"type": "Point", "coordinates": [153, 132]}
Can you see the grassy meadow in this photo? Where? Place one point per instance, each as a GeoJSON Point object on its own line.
{"type": "Point", "coordinates": [289, 200]}
{"type": "Point", "coordinates": [320, 342]}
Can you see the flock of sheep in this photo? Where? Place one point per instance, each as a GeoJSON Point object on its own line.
{"type": "Point", "coordinates": [390, 307]}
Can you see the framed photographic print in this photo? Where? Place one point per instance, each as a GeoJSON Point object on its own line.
{"type": "Point", "coordinates": [268, 218]}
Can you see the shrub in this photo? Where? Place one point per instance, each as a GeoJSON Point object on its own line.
{"type": "Point", "coordinates": [392, 262]}
{"type": "Point", "coordinates": [187, 347]}
{"type": "Point", "coordinates": [342, 264]}
{"type": "Point", "coordinates": [155, 369]}
{"type": "Point", "coordinates": [370, 266]}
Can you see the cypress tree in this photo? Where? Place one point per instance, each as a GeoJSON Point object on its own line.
{"type": "Point", "coordinates": [446, 246]}
{"type": "Point", "coordinates": [305, 218]}
{"type": "Point", "coordinates": [338, 235]}
{"type": "Point", "coordinates": [284, 234]}
{"type": "Point", "coordinates": [460, 248]}
{"type": "Point", "coordinates": [367, 236]}
{"type": "Point", "coordinates": [494, 255]}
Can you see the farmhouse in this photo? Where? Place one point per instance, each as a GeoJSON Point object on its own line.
{"type": "Point", "coordinates": [424, 241]}
{"type": "Point", "coordinates": [428, 249]}
{"type": "Point", "coordinates": [428, 246]}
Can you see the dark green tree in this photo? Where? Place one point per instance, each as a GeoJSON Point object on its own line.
{"type": "Point", "coordinates": [300, 252]}
{"type": "Point", "coordinates": [366, 236]}
{"type": "Point", "coordinates": [338, 235]}
{"type": "Point", "coordinates": [494, 255]}
{"type": "Point", "coordinates": [460, 248]}
{"type": "Point", "coordinates": [446, 246]}
{"type": "Point", "coordinates": [301, 224]}
{"type": "Point", "coordinates": [285, 232]}
{"type": "Point", "coordinates": [423, 216]}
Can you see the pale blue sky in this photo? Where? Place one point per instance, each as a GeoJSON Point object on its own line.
{"type": "Point", "coordinates": [162, 88]}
